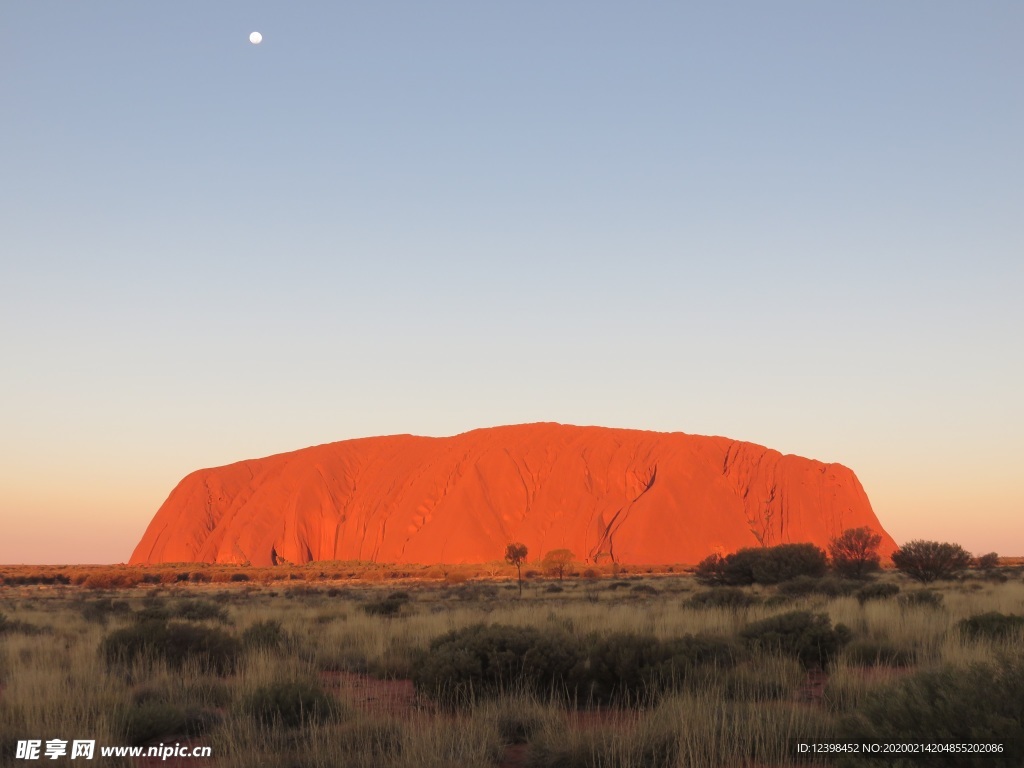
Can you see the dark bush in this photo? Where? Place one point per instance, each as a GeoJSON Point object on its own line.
{"type": "Point", "coordinates": [989, 561]}
{"type": "Point", "coordinates": [854, 552]}
{"type": "Point", "coordinates": [829, 586]}
{"type": "Point", "coordinates": [617, 584]}
{"type": "Point", "coordinates": [212, 649]}
{"type": "Point", "coordinates": [239, 577]}
{"type": "Point", "coordinates": [927, 561]}
{"type": "Point", "coordinates": [992, 625]}
{"type": "Point", "coordinates": [765, 565]}
{"type": "Point", "coordinates": [518, 727]}
{"type": "Point", "coordinates": [621, 667]}
{"type": "Point", "coordinates": [488, 659]}
{"type": "Point", "coordinates": [153, 612]}
{"type": "Point", "coordinates": [553, 588]}
{"type": "Point", "coordinates": [155, 719]}
{"type": "Point", "coordinates": [627, 668]}
{"type": "Point", "coordinates": [199, 610]}
{"type": "Point", "coordinates": [99, 611]}
{"type": "Point", "coordinates": [267, 635]}
{"type": "Point", "coordinates": [881, 590]}
{"type": "Point", "coordinates": [290, 704]}
{"type": "Point", "coordinates": [389, 606]}
{"type": "Point", "coordinates": [807, 637]}
{"type": "Point", "coordinates": [981, 704]}
{"type": "Point", "coordinates": [788, 561]}
{"type": "Point", "coordinates": [643, 589]}
{"type": "Point", "coordinates": [722, 597]}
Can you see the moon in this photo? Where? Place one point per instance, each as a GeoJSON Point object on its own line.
{"type": "Point", "coordinates": [255, 38]}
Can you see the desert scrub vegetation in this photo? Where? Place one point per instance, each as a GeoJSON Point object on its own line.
{"type": "Point", "coordinates": [808, 637]}
{"type": "Point", "coordinates": [763, 565]}
{"type": "Point", "coordinates": [176, 644]}
{"type": "Point", "coordinates": [674, 679]}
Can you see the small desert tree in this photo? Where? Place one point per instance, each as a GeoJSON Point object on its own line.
{"type": "Point", "coordinates": [989, 561]}
{"type": "Point", "coordinates": [927, 561]}
{"type": "Point", "coordinates": [515, 554]}
{"type": "Point", "coordinates": [854, 552]}
{"type": "Point", "coordinates": [556, 561]}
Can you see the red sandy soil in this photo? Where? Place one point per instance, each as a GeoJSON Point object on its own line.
{"type": "Point", "coordinates": [605, 494]}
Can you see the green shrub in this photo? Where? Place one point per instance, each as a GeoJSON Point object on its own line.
{"type": "Point", "coordinates": [927, 561]}
{"type": "Point", "coordinates": [239, 577]}
{"type": "Point", "coordinates": [877, 653]}
{"type": "Point", "coordinates": [989, 561]}
{"type": "Point", "coordinates": [99, 611]}
{"type": "Point", "coordinates": [389, 606]}
{"type": "Point", "coordinates": [829, 586]}
{"type": "Point", "coordinates": [265, 635]}
{"type": "Point", "coordinates": [212, 649]}
{"type": "Point", "coordinates": [809, 638]}
{"type": "Point", "coordinates": [630, 668]}
{"type": "Point", "coordinates": [763, 565]}
{"type": "Point", "coordinates": [722, 597]}
{"type": "Point", "coordinates": [983, 704]}
{"type": "Point", "coordinates": [153, 611]}
{"type": "Point", "coordinates": [788, 561]}
{"type": "Point", "coordinates": [489, 659]}
{"type": "Point", "coordinates": [643, 589]}
{"type": "Point", "coordinates": [992, 625]}
{"type": "Point", "coordinates": [518, 727]}
{"type": "Point", "coordinates": [152, 719]}
{"type": "Point", "coordinates": [881, 590]}
{"type": "Point", "coordinates": [290, 704]}
{"type": "Point", "coordinates": [854, 552]}
{"type": "Point", "coordinates": [200, 610]}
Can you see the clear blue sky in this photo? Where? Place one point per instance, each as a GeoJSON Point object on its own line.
{"type": "Point", "coordinates": [794, 223]}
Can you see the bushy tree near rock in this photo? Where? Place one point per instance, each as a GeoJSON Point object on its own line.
{"type": "Point", "coordinates": [763, 565]}
{"type": "Point", "coordinates": [854, 552]}
{"type": "Point", "coordinates": [557, 561]}
{"type": "Point", "coordinates": [926, 561]}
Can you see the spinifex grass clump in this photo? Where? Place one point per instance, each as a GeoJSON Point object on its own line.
{"type": "Point", "coordinates": [807, 637]}
{"type": "Point", "coordinates": [268, 634]}
{"type": "Point", "coordinates": [881, 590]}
{"type": "Point", "coordinates": [992, 625]}
{"type": "Point", "coordinates": [922, 598]}
{"type": "Point", "coordinates": [489, 659]}
{"type": "Point", "coordinates": [631, 668]}
{"type": "Point", "coordinates": [877, 653]}
{"type": "Point", "coordinates": [621, 667]}
{"type": "Point", "coordinates": [175, 643]}
{"type": "Point", "coordinates": [722, 597]}
{"type": "Point", "coordinates": [152, 717]}
{"type": "Point", "coordinates": [829, 586]}
{"type": "Point", "coordinates": [389, 606]}
{"type": "Point", "coordinates": [290, 703]}
{"type": "Point", "coordinates": [980, 704]}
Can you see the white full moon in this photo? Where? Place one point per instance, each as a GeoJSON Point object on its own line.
{"type": "Point", "coordinates": [255, 38]}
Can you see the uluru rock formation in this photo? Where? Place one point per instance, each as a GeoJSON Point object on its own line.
{"type": "Point", "coordinates": [620, 495]}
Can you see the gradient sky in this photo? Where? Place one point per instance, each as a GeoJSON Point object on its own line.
{"type": "Point", "coordinates": [795, 223]}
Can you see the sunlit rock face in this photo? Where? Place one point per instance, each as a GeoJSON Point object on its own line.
{"type": "Point", "coordinates": [607, 495]}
